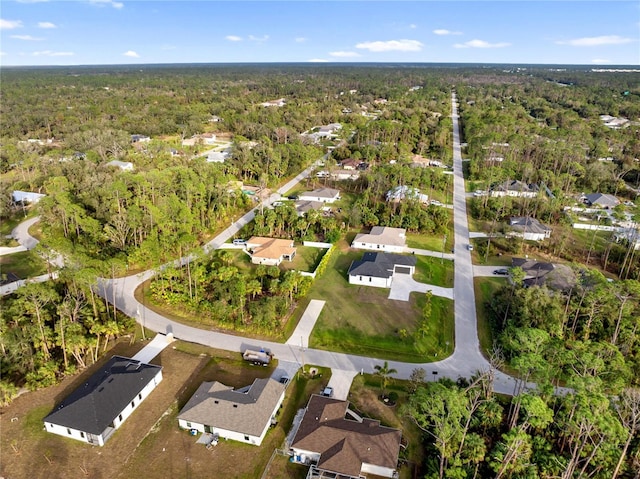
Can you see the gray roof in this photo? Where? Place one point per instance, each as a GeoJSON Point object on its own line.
{"type": "Point", "coordinates": [528, 224]}
{"type": "Point", "coordinates": [246, 411]}
{"type": "Point", "coordinates": [322, 193]}
{"type": "Point", "coordinates": [379, 265]}
{"type": "Point", "coordinates": [515, 185]}
{"type": "Point", "coordinates": [602, 199]}
{"type": "Point", "coordinates": [304, 206]}
{"type": "Point", "coordinates": [94, 405]}
{"type": "Point", "coordinates": [383, 235]}
{"type": "Point", "coordinates": [539, 273]}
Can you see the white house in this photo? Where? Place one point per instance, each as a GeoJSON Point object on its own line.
{"type": "Point", "coordinates": [270, 251]}
{"type": "Point", "coordinates": [278, 102]}
{"type": "Point", "coordinates": [382, 238]}
{"type": "Point", "coordinates": [26, 197]}
{"type": "Point", "coordinates": [99, 406]}
{"type": "Point", "coordinates": [218, 156]}
{"type": "Point", "coordinates": [515, 188]}
{"type": "Point", "coordinates": [403, 192]}
{"type": "Point", "coordinates": [378, 269]}
{"type": "Point", "coordinates": [239, 414]}
{"type": "Point", "coordinates": [123, 165]}
{"type": "Point", "coordinates": [336, 442]}
{"type": "Point", "coordinates": [140, 139]}
{"type": "Point", "coordinates": [529, 228]}
{"type": "Point", "coordinates": [322, 195]}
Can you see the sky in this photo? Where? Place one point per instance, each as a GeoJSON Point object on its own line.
{"type": "Point", "coordinates": [103, 32]}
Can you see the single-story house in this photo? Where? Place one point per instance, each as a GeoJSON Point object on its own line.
{"type": "Point", "coordinates": [322, 195]}
{"type": "Point", "coordinates": [336, 442]}
{"type": "Point", "coordinates": [515, 188]}
{"type": "Point", "coordinates": [270, 251]}
{"type": "Point", "coordinates": [239, 414]}
{"type": "Point", "coordinates": [601, 200]}
{"type": "Point", "coordinates": [630, 235]}
{"type": "Point", "coordinates": [403, 192]}
{"type": "Point", "coordinates": [99, 406]}
{"type": "Point", "coordinates": [140, 139]}
{"type": "Point", "coordinates": [304, 206]}
{"type": "Point", "coordinates": [349, 164]}
{"type": "Point", "coordinates": [344, 175]}
{"type": "Point", "coordinates": [123, 165]}
{"type": "Point", "coordinates": [539, 273]}
{"type": "Point", "coordinates": [218, 156]}
{"type": "Point", "coordinates": [278, 102]}
{"type": "Point", "coordinates": [529, 228]}
{"type": "Point", "coordinates": [26, 197]}
{"type": "Point", "coordinates": [378, 269]}
{"type": "Point", "coordinates": [382, 238]}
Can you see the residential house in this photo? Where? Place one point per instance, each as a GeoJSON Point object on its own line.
{"type": "Point", "coordinates": [344, 174]}
{"type": "Point", "coordinates": [403, 192]}
{"type": "Point", "coordinates": [99, 406]}
{"type": "Point", "coordinates": [202, 139]}
{"type": "Point", "coordinates": [270, 251]}
{"type": "Point", "coordinates": [529, 228]}
{"type": "Point", "coordinates": [123, 165]}
{"type": "Point", "coordinates": [613, 122]}
{"type": "Point", "coordinates": [218, 156]}
{"type": "Point", "coordinates": [350, 164]}
{"type": "Point", "coordinates": [26, 197]}
{"type": "Point", "coordinates": [303, 207]}
{"type": "Point", "coordinates": [382, 238]}
{"type": "Point", "coordinates": [243, 414]}
{"type": "Point", "coordinates": [322, 195]}
{"type": "Point", "coordinates": [630, 236]}
{"type": "Point", "coordinates": [538, 273]}
{"type": "Point", "coordinates": [278, 102]}
{"type": "Point", "coordinates": [601, 200]}
{"type": "Point", "coordinates": [140, 139]}
{"type": "Point", "coordinates": [378, 269]}
{"type": "Point", "coordinates": [515, 188]}
{"type": "Point", "coordinates": [338, 443]}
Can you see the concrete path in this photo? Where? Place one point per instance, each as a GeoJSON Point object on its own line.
{"type": "Point", "coordinates": [341, 382]}
{"type": "Point", "coordinates": [21, 233]}
{"type": "Point", "coordinates": [484, 271]}
{"type": "Point", "coordinates": [300, 336]}
{"type": "Point", "coordinates": [7, 250]}
{"type": "Point", "coordinates": [403, 285]}
{"type": "Point", "coordinates": [155, 347]}
{"type": "Point", "coordinates": [433, 254]}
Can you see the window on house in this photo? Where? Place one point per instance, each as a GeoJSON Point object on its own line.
{"type": "Point", "coordinates": [246, 438]}
{"type": "Point", "coordinates": [69, 431]}
{"type": "Point", "coordinates": [188, 424]}
{"type": "Point", "coordinates": [120, 417]}
{"type": "Point", "coordinates": [140, 396]}
{"type": "Point", "coordinates": [133, 404]}
{"type": "Point", "coordinates": [235, 405]}
{"type": "Point", "coordinates": [82, 434]}
{"type": "Point", "coordinates": [370, 279]}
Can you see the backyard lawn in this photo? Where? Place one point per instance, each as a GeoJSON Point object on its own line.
{"type": "Point", "coordinates": [434, 271]}
{"type": "Point", "coordinates": [306, 259]}
{"type": "Point", "coordinates": [24, 264]}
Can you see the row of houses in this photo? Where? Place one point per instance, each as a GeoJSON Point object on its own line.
{"type": "Point", "coordinates": [333, 440]}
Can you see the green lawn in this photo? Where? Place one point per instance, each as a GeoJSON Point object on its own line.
{"type": "Point", "coordinates": [306, 259]}
{"type": "Point", "coordinates": [361, 320]}
{"type": "Point", "coordinates": [7, 224]}
{"type": "Point", "coordinates": [434, 271]}
{"type": "Point", "coordinates": [24, 264]}
{"type": "Point", "coordinates": [485, 288]}
{"type": "Point", "coordinates": [432, 243]}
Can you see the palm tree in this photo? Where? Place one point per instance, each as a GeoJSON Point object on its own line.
{"type": "Point", "coordinates": [385, 373]}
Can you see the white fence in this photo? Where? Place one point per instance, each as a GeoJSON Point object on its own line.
{"type": "Point", "coordinates": [316, 244]}
{"type": "Point", "coordinates": [587, 226]}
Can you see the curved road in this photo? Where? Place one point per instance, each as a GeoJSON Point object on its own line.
{"type": "Point", "coordinates": [464, 362]}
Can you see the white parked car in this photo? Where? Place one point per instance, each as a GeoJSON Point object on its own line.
{"type": "Point", "coordinates": [239, 242]}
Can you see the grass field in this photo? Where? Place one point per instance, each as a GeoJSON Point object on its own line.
{"type": "Point", "coordinates": [306, 259]}
{"type": "Point", "coordinates": [24, 264]}
{"type": "Point", "coordinates": [434, 271]}
{"type": "Point", "coordinates": [433, 243]}
{"type": "Point", "coordinates": [485, 288]}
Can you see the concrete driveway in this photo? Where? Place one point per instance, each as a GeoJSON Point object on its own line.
{"type": "Point", "coordinates": [403, 285]}
{"type": "Point", "coordinates": [341, 382]}
{"type": "Point", "coordinates": [300, 337]}
{"type": "Point", "coordinates": [485, 271]}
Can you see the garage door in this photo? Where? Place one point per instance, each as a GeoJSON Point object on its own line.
{"type": "Point", "coordinates": [403, 270]}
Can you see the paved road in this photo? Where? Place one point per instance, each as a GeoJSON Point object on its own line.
{"type": "Point", "coordinates": [464, 362]}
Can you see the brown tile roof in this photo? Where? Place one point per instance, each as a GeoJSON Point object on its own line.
{"type": "Point", "coordinates": [271, 248]}
{"type": "Point", "coordinates": [345, 444]}
{"type": "Point", "coordinates": [215, 404]}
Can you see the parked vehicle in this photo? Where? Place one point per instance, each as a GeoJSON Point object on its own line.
{"type": "Point", "coordinates": [327, 392]}
{"type": "Point", "coordinates": [259, 358]}
{"type": "Point", "coordinates": [501, 271]}
{"type": "Point", "coordinates": [238, 241]}
{"type": "Point", "coordinates": [470, 247]}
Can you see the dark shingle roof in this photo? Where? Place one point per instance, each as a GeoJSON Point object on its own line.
{"type": "Point", "coordinates": [379, 265]}
{"type": "Point", "coordinates": [94, 405]}
{"type": "Point", "coordinates": [345, 444]}
{"type": "Point", "coordinates": [528, 224]}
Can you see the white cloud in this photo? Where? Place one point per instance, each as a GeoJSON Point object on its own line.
{"type": "Point", "coordinates": [301, 39]}
{"type": "Point", "coordinates": [318, 60]}
{"type": "Point", "coordinates": [2, 54]}
{"type": "Point", "coordinates": [344, 54]}
{"type": "Point", "coordinates": [392, 45]}
{"type": "Point", "coordinates": [49, 53]}
{"type": "Point", "coordinates": [444, 31]}
{"type": "Point", "coordinates": [413, 26]}
{"type": "Point", "coordinates": [233, 38]}
{"type": "Point", "coordinates": [596, 41]}
{"type": "Point", "coordinates": [32, 1]}
{"type": "Point", "coordinates": [600, 61]}
{"type": "Point", "coordinates": [10, 24]}
{"type": "Point", "coordinates": [47, 25]}
{"type": "Point", "coordinates": [481, 44]}
{"type": "Point", "coordinates": [131, 53]}
{"type": "Point", "coordinates": [259, 39]}
{"type": "Point", "coordinates": [102, 3]}
{"type": "Point", "coordinates": [27, 38]}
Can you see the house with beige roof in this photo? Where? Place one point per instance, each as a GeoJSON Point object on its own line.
{"type": "Point", "coordinates": [270, 251]}
{"type": "Point", "coordinates": [239, 414]}
{"type": "Point", "coordinates": [336, 442]}
{"type": "Point", "coordinates": [382, 238]}
{"type": "Point", "coordinates": [322, 195]}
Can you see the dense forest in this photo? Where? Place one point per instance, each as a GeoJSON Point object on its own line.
{"type": "Point", "coordinates": [61, 126]}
